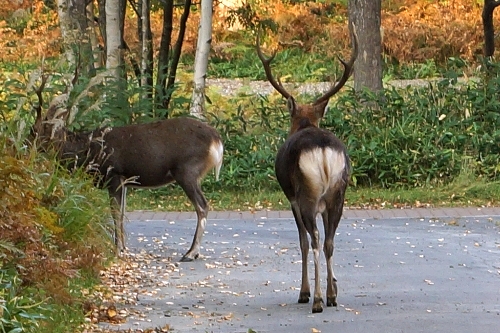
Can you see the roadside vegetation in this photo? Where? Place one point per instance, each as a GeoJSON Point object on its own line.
{"type": "Point", "coordinates": [433, 145]}
{"type": "Point", "coordinates": [53, 243]}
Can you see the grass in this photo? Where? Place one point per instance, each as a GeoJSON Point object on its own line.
{"type": "Point", "coordinates": [452, 195]}
{"type": "Point", "coordinates": [462, 192]}
{"type": "Point", "coordinates": [172, 198]}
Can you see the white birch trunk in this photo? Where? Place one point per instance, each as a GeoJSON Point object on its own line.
{"type": "Point", "coordinates": [67, 32]}
{"type": "Point", "coordinates": [113, 39]}
{"type": "Point", "coordinates": [94, 42]}
{"type": "Point", "coordinates": [197, 108]}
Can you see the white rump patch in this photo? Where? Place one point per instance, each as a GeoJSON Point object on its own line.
{"type": "Point", "coordinates": [216, 153]}
{"type": "Point", "coordinates": [323, 168]}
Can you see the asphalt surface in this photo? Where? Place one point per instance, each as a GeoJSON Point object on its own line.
{"type": "Point", "coordinates": [410, 274]}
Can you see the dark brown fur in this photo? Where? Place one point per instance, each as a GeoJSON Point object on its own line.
{"type": "Point", "coordinates": [146, 155]}
{"type": "Point", "coordinates": [312, 168]}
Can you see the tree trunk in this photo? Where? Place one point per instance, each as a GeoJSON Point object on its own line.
{"type": "Point", "coordinates": [176, 53]}
{"type": "Point", "coordinates": [197, 108]}
{"type": "Point", "coordinates": [366, 16]}
{"type": "Point", "coordinates": [489, 29]}
{"type": "Point", "coordinates": [78, 10]}
{"type": "Point", "coordinates": [164, 52]}
{"type": "Point", "coordinates": [147, 50]}
{"type": "Point", "coordinates": [114, 55]}
{"type": "Point", "coordinates": [101, 5]}
{"type": "Point", "coordinates": [139, 13]}
{"type": "Point", "coordinates": [67, 31]}
{"type": "Point", "coordinates": [167, 81]}
{"type": "Point", "coordinates": [76, 34]}
{"type": "Point", "coordinates": [94, 42]}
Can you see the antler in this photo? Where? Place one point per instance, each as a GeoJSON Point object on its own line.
{"type": "Point", "coordinates": [347, 71]}
{"type": "Point", "coordinates": [38, 108]}
{"type": "Point", "coordinates": [266, 62]}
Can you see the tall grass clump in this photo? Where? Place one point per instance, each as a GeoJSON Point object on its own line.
{"type": "Point", "coordinates": [54, 237]}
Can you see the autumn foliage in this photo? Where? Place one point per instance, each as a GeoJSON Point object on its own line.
{"type": "Point", "coordinates": [47, 254]}
{"type": "Point", "coordinates": [28, 31]}
{"type": "Point", "coordinates": [413, 31]}
{"type": "Point", "coordinates": [434, 30]}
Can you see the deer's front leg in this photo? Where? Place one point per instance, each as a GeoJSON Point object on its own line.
{"type": "Point", "coordinates": [117, 193]}
{"type": "Point", "coordinates": [318, 298]}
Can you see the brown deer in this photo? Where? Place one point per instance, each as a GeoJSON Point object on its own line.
{"type": "Point", "coordinates": [312, 168]}
{"type": "Point", "coordinates": [181, 150]}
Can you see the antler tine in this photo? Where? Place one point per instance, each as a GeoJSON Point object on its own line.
{"type": "Point", "coordinates": [266, 62]}
{"type": "Point", "coordinates": [38, 92]}
{"type": "Point", "coordinates": [347, 71]}
{"type": "Point", "coordinates": [77, 71]}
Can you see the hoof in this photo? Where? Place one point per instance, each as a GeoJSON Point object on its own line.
{"type": "Point", "coordinates": [120, 253]}
{"type": "Point", "coordinates": [188, 258]}
{"type": "Point", "coordinates": [317, 309]}
{"type": "Point", "coordinates": [317, 305]}
{"type": "Point", "coordinates": [331, 301]}
{"type": "Point", "coordinates": [304, 297]}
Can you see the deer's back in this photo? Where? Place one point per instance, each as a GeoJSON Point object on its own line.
{"type": "Point", "coordinates": [155, 151]}
{"type": "Point", "coordinates": [176, 131]}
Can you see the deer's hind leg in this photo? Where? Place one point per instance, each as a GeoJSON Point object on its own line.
{"type": "Point", "coordinates": [331, 217]}
{"type": "Point", "coordinates": [191, 186]}
{"type": "Point", "coordinates": [308, 211]}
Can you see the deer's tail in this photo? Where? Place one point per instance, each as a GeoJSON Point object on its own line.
{"type": "Point", "coordinates": [216, 154]}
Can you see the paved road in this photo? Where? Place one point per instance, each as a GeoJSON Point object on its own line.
{"type": "Point", "coordinates": [232, 87]}
{"type": "Point", "coordinates": [398, 271]}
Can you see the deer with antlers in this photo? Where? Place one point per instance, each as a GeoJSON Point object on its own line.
{"type": "Point", "coordinates": [181, 150]}
{"type": "Point", "coordinates": [312, 168]}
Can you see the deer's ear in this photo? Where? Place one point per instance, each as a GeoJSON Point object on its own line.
{"type": "Point", "coordinates": [291, 105]}
{"type": "Point", "coordinates": [320, 109]}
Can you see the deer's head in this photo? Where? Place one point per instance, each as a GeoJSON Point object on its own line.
{"type": "Point", "coordinates": [74, 149]}
{"type": "Point", "coordinates": [305, 115]}
{"type": "Point", "coordinates": [50, 127]}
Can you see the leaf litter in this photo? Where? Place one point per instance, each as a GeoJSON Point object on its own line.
{"type": "Point", "coordinates": [144, 275]}
{"type": "Point", "coordinates": [115, 300]}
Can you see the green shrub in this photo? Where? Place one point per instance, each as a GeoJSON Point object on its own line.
{"type": "Point", "coordinates": [251, 136]}
{"type": "Point", "coordinates": [412, 137]}
{"type": "Point", "coordinates": [403, 138]}
{"type": "Point", "coordinates": [19, 312]}
{"type": "Point", "coordinates": [420, 136]}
